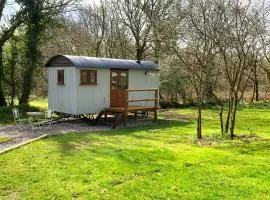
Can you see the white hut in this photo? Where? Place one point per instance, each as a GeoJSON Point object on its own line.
{"type": "Point", "coordinates": [87, 85]}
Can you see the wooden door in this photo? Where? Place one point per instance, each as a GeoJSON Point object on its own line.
{"type": "Point", "coordinates": [119, 82]}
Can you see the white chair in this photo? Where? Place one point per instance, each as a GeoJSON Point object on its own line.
{"type": "Point", "coordinates": [48, 119]}
{"type": "Point", "coordinates": [18, 121]}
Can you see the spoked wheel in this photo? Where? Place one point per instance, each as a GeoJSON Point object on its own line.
{"type": "Point", "coordinates": [143, 114]}
{"type": "Point", "coordinates": [87, 117]}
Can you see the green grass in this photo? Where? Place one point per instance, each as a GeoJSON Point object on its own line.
{"type": "Point", "coordinates": [41, 103]}
{"type": "Point", "coordinates": [5, 139]}
{"type": "Point", "coordinates": [154, 162]}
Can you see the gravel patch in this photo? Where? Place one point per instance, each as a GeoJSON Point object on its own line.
{"type": "Point", "coordinates": [27, 133]}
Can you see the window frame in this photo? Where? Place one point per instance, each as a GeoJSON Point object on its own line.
{"type": "Point", "coordinates": [88, 71]}
{"type": "Point", "coordinates": [59, 81]}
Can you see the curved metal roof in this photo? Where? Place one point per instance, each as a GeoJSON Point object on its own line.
{"type": "Point", "coordinates": [93, 62]}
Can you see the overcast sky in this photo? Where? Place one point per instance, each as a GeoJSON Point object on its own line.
{"type": "Point", "coordinates": [90, 1]}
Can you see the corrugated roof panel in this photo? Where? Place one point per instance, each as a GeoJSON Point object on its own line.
{"type": "Point", "coordinates": [93, 62]}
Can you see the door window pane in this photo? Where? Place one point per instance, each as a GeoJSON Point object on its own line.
{"type": "Point", "coordinates": [114, 80]}
{"type": "Point", "coordinates": [123, 80]}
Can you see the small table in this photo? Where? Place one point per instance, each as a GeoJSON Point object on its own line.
{"type": "Point", "coordinates": [33, 116]}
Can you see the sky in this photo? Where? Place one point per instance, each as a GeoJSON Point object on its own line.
{"type": "Point", "coordinates": [91, 1]}
{"type": "Point", "coordinates": [11, 8]}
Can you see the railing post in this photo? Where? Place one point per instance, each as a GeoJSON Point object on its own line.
{"type": "Point", "coordinates": [126, 108]}
{"type": "Point", "coordinates": [156, 105]}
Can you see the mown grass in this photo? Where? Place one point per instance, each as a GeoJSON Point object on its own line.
{"type": "Point", "coordinates": [249, 120]}
{"type": "Point", "coordinates": [162, 161]}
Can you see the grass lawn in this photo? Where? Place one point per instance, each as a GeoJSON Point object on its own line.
{"type": "Point", "coordinates": [154, 162]}
{"type": "Point", "coordinates": [5, 139]}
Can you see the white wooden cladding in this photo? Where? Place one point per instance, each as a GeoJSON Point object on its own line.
{"type": "Point", "coordinates": [74, 98]}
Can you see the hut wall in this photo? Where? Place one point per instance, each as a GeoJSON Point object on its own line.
{"type": "Point", "coordinates": [93, 98]}
{"type": "Point", "coordinates": [139, 80]}
{"type": "Point", "coordinates": [62, 98]}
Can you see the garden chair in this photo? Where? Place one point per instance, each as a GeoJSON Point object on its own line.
{"type": "Point", "coordinates": [19, 123]}
{"type": "Point", "coordinates": [48, 119]}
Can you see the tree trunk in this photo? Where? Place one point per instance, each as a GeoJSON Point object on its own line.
{"type": "Point", "coordinates": [221, 119]}
{"type": "Point", "coordinates": [232, 123]}
{"type": "Point", "coordinates": [139, 53]}
{"type": "Point", "coordinates": [27, 85]}
{"type": "Point", "coordinates": [3, 101]}
{"type": "Point", "coordinates": [253, 94]}
{"type": "Point", "coordinates": [12, 72]}
{"type": "Point", "coordinates": [256, 83]}
{"type": "Point", "coordinates": [33, 55]}
{"type": "Point", "coordinates": [233, 115]}
{"type": "Point", "coordinates": [2, 96]}
{"type": "Point", "coordinates": [256, 89]}
{"type": "Point", "coordinates": [199, 121]}
{"type": "Point", "coordinates": [228, 117]}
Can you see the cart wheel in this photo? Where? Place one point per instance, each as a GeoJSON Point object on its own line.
{"type": "Point", "coordinates": [145, 114]}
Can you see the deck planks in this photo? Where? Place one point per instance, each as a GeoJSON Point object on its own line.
{"type": "Point", "coordinates": [130, 109]}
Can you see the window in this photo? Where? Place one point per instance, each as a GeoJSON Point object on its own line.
{"type": "Point", "coordinates": [60, 77]}
{"type": "Point", "coordinates": [88, 77]}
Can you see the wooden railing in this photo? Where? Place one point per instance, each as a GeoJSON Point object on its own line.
{"type": "Point", "coordinates": [155, 100]}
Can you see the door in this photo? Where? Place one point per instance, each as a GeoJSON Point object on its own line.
{"type": "Point", "coordinates": [119, 83]}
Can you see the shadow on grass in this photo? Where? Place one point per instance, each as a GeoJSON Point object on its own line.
{"type": "Point", "coordinates": [138, 142]}
{"type": "Point", "coordinates": [71, 143]}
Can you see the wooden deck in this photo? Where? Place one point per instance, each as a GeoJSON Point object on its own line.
{"type": "Point", "coordinates": [130, 109]}
{"type": "Point", "coordinates": [124, 110]}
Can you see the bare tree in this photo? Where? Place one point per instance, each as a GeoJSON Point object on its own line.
{"type": "Point", "coordinates": [132, 15]}
{"type": "Point", "coordinates": [160, 14]}
{"type": "Point", "coordinates": [197, 51]}
{"type": "Point", "coordinates": [236, 32]}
